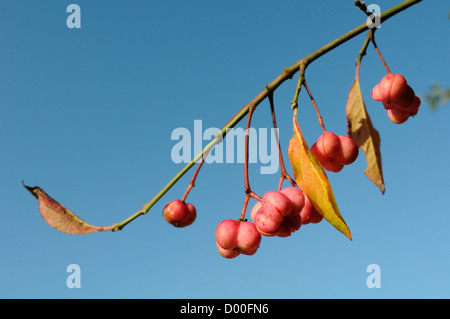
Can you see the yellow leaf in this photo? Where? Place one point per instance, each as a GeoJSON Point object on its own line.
{"type": "Point", "coordinates": [361, 130]}
{"type": "Point", "coordinates": [312, 179]}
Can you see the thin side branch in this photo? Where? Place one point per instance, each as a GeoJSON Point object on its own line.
{"type": "Point", "coordinates": [319, 117]}
{"type": "Point", "coordinates": [284, 174]}
{"type": "Point", "coordinates": [372, 38]}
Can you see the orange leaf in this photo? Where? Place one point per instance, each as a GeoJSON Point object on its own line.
{"type": "Point", "coordinates": [361, 130]}
{"type": "Point", "coordinates": [59, 217]}
{"type": "Point", "coordinates": [312, 179]}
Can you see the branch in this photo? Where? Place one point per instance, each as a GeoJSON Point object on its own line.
{"type": "Point", "coordinates": [287, 73]}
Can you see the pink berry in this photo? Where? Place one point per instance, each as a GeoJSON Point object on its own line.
{"type": "Point", "coordinates": [226, 234]}
{"type": "Point", "coordinates": [268, 223]}
{"type": "Point", "coordinates": [179, 214]}
{"type": "Point", "coordinates": [269, 218]}
{"type": "Point", "coordinates": [278, 213]}
{"type": "Point", "coordinates": [227, 253]}
{"type": "Point", "coordinates": [332, 166]}
{"type": "Point", "coordinates": [334, 152]}
{"type": "Point", "coordinates": [392, 86]}
{"type": "Point", "coordinates": [248, 238]}
{"type": "Point", "coordinates": [275, 201]}
{"type": "Point", "coordinates": [255, 209]}
{"type": "Point", "coordinates": [414, 108]}
{"type": "Point", "coordinates": [237, 237]}
{"type": "Point", "coordinates": [376, 94]}
{"type": "Point", "coordinates": [328, 145]}
{"type": "Point", "coordinates": [398, 98]}
{"type": "Point", "coordinates": [397, 116]}
{"type": "Point", "coordinates": [402, 102]}
{"type": "Point", "coordinates": [290, 225]}
{"type": "Point", "coordinates": [349, 150]}
{"type": "Point", "coordinates": [296, 197]}
{"type": "Point", "coordinates": [309, 214]}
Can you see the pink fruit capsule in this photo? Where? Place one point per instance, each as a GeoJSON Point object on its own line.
{"type": "Point", "coordinates": [392, 86]}
{"type": "Point", "coordinates": [179, 214]}
{"type": "Point", "coordinates": [276, 202]}
{"type": "Point", "coordinates": [234, 237]}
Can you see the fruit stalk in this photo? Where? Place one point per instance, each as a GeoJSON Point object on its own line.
{"type": "Point", "coordinates": [283, 172]}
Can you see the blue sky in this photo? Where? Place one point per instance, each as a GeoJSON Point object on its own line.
{"type": "Point", "coordinates": [87, 114]}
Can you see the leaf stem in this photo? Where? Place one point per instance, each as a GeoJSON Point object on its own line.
{"type": "Point", "coordinates": [301, 78]}
{"type": "Point", "coordinates": [363, 50]}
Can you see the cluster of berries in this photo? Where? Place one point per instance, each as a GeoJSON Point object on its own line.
{"type": "Point", "coordinates": [279, 213]}
{"type": "Point", "coordinates": [397, 96]}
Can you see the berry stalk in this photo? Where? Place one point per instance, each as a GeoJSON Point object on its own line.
{"type": "Point", "coordinates": [284, 174]}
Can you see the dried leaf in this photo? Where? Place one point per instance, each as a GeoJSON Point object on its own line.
{"type": "Point", "coordinates": [312, 179]}
{"type": "Point", "coordinates": [361, 130]}
{"type": "Point", "coordinates": [59, 217]}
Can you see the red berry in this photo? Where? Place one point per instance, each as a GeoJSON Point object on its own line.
{"type": "Point", "coordinates": [237, 237]}
{"type": "Point", "coordinates": [275, 207]}
{"type": "Point", "coordinates": [278, 213]}
{"type": "Point", "coordinates": [397, 97]}
{"type": "Point", "coordinates": [376, 94]}
{"type": "Point", "coordinates": [248, 238]}
{"type": "Point", "coordinates": [349, 150]}
{"type": "Point", "coordinates": [397, 116]}
{"type": "Point", "coordinates": [328, 145]}
{"type": "Point", "coordinates": [309, 214]}
{"type": "Point", "coordinates": [333, 152]}
{"type": "Point", "coordinates": [414, 108]}
{"type": "Point", "coordinates": [227, 253]}
{"type": "Point", "coordinates": [179, 214]}
{"type": "Point", "coordinates": [268, 223]}
{"type": "Point", "coordinates": [226, 234]}
{"type": "Point", "coordinates": [404, 101]}
{"type": "Point", "coordinates": [296, 197]}
{"type": "Point", "coordinates": [275, 201]}
{"type": "Point", "coordinates": [392, 86]}
{"type": "Point", "coordinates": [332, 166]}
{"type": "Point", "coordinates": [255, 209]}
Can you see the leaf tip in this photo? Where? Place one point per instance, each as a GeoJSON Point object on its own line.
{"type": "Point", "coordinates": [33, 190]}
{"type": "Point", "coordinates": [349, 236]}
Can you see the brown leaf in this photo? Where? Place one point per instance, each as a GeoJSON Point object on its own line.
{"type": "Point", "coordinates": [312, 179]}
{"type": "Point", "coordinates": [361, 130]}
{"type": "Point", "coordinates": [59, 217]}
